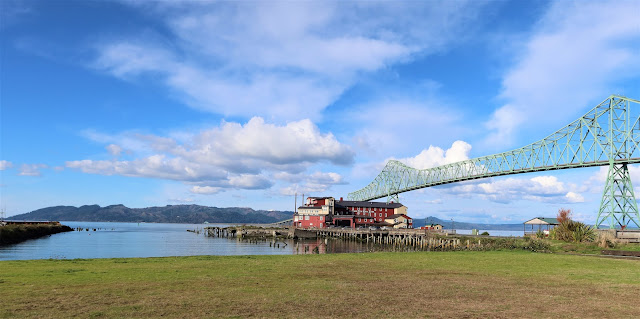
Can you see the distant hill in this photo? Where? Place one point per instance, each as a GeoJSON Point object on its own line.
{"type": "Point", "coordinates": [190, 214]}
{"type": "Point", "coordinates": [447, 224]}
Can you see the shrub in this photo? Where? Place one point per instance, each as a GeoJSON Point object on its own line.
{"type": "Point", "coordinates": [540, 234]}
{"type": "Point", "coordinates": [570, 230]}
{"type": "Point", "coordinates": [485, 234]}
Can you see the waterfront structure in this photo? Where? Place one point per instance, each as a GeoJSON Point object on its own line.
{"type": "Point", "coordinates": [322, 212]}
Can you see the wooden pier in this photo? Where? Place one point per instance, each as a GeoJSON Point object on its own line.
{"type": "Point", "coordinates": [221, 232]}
{"type": "Point", "coordinates": [412, 239]}
{"type": "Point", "coordinates": [409, 238]}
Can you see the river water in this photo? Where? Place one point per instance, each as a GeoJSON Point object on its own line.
{"type": "Point", "coordinates": [121, 240]}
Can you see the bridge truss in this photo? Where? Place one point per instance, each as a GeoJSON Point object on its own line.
{"type": "Point", "coordinates": [608, 135]}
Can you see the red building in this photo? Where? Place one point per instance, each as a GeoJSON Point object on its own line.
{"type": "Point", "coordinates": [321, 212]}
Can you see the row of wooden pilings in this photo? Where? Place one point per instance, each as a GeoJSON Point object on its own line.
{"type": "Point", "coordinates": [417, 241]}
{"type": "Point", "coordinates": [224, 232]}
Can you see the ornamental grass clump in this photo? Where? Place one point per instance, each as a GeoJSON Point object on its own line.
{"type": "Point", "coordinates": [570, 230]}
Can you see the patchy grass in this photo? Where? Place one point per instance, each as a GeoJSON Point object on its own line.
{"type": "Point", "coordinates": [495, 284]}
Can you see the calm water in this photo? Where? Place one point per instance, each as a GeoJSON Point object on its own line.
{"type": "Point", "coordinates": [117, 240]}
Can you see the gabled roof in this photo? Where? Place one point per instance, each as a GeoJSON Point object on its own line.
{"type": "Point", "coordinates": [397, 215]}
{"type": "Point", "coordinates": [543, 221]}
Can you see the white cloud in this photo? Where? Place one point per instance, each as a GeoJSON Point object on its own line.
{"type": "Point", "coordinates": [5, 165]}
{"type": "Point", "coordinates": [114, 149]}
{"type": "Point", "coordinates": [281, 60]}
{"type": "Point", "coordinates": [540, 189]}
{"type": "Point", "coordinates": [156, 166]}
{"type": "Point", "coordinates": [318, 182]}
{"type": "Point", "coordinates": [436, 156]}
{"type": "Point", "coordinates": [31, 169]}
{"type": "Point", "coordinates": [573, 60]}
{"type": "Point", "coordinates": [296, 142]}
{"type": "Point", "coordinates": [231, 155]}
{"type": "Point", "coordinates": [206, 190]}
{"type": "Point", "coordinates": [574, 197]}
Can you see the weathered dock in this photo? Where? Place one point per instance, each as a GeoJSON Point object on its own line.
{"type": "Point", "coordinates": [410, 238]}
{"type": "Point", "coordinates": [222, 232]}
{"type": "Point", "coordinates": [413, 239]}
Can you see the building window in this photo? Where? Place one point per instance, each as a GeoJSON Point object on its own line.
{"type": "Point", "coordinates": [306, 217]}
{"type": "Point", "coordinates": [321, 218]}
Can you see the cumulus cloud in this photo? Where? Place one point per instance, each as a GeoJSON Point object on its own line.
{"type": "Point", "coordinates": [317, 182]}
{"type": "Point", "coordinates": [284, 60]}
{"type": "Point", "coordinates": [540, 189]}
{"type": "Point", "coordinates": [573, 60]}
{"type": "Point", "coordinates": [295, 142]}
{"type": "Point", "coordinates": [436, 156]}
{"type": "Point", "coordinates": [5, 165]}
{"type": "Point", "coordinates": [31, 169]}
{"type": "Point", "coordinates": [232, 155]}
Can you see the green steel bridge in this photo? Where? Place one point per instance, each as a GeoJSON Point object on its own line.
{"type": "Point", "coordinates": [609, 134]}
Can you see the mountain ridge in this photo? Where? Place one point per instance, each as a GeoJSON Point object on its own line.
{"type": "Point", "coordinates": [191, 214]}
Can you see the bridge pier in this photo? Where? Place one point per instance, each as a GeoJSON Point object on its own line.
{"type": "Point", "coordinates": [618, 204]}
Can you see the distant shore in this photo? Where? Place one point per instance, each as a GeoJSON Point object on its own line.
{"type": "Point", "coordinates": [13, 234]}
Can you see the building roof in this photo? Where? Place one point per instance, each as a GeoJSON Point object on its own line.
{"type": "Point", "coordinates": [543, 221]}
{"type": "Point", "coordinates": [397, 215]}
{"type": "Point", "coordinates": [354, 203]}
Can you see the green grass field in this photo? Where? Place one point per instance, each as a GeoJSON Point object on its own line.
{"type": "Point", "coordinates": [498, 284]}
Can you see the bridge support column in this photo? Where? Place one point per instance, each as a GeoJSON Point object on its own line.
{"type": "Point", "coordinates": [618, 205]}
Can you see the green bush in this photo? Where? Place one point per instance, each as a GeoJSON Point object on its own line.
{"type": "Point", "coordinates": [573, 231]}
{"type": "Point", "coordinates": [485, 234]}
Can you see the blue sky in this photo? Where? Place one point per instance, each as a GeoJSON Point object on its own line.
{"type": "Point", "coordinates": [246, 103]}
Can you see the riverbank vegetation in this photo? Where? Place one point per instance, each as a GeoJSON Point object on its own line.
{"type": "Point", "coordinates": [11, 234]}
{"type": "Point", "coordinates": [498, 284]}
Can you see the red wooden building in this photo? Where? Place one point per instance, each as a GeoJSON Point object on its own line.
{"type": "Point", "coordinates": [321, 212]}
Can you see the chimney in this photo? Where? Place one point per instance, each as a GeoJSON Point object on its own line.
{"type": "Point", "coordinates": [340, 198]}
